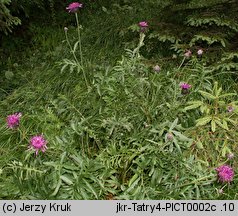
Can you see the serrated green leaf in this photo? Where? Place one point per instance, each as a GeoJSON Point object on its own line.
{"type": "Point", "coordinates": [213, 125]}
{"type": "Point", "coordinates": [131, 181]}
{"type": "Point", "coordinates": [225, 126]}
{"type": "Point", "coordinates": [66, 180]}
{"type": "Point", "coordinates": [207, 95]}
{"type": "Point", "coordinates": [104, 9]}
{"type": "Point", "coordinates": [194, 105]}
{"type": "Point", "coordinates": [224, 151]}
{"type": "Point", "coordinates": [84, 194]}
{"type": "Point", "coordinates": [221, 103]}
{"type": "Point", "coordinates": [133, 185]}
{"type": "Point", "coordinates": [75, 46]}
{"type": "Point", "coordinates": [177, 145]}
{"type": "Point", "coordinates": [57, 188]}
{"type": "Point", "coordinates": [198, 195]}
{"type": "Point", "coordinates": [154, 175]}
{"type": "Point", "coordinates": [218, 92]}
{"type": "Point", "coordinates": [89, 186]}
{"type": "Point", "coordinates": [63, 155]}
{"type": "Point", "coordinates": [181, 136]}
{"type": "Point", "coordinates": [227, 95]}
{"type": "Point", "coordinates": [174, 124]}
{"type": "Point", "coordinates": [222, 125]}
{"type": "Point", "coordinates": [231, 121]}
{"type": "Point", "coordinates": [203, 108]}
{"type": "Point", "coordinates": [77, 159]}
{"type": "Point", "coordinates": [199, 145]}
{"type": "Point", "coordinates": [70, 167]}
{"type": "Point", "coordinates": [223, 43]}
{"type": "Point", "coordinates": [203, 121]}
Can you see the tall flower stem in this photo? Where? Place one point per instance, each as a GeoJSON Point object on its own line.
{"type": "Point", "coordinates": [181, 63]}
{"type": "Point", "coordinates": [80, 49]}
{"type": "Point", "coordinates": [80, 66]}
{"type": "Point", "coordinates": [70, 47]}
{"type": "Point", "coordinates": [136, 51]}
{"type": "Point", "coordinates": [79, 39]}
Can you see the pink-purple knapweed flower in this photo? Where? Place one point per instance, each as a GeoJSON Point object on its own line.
{"type": "Point", "coordinates": [13, 120]}
{"type": "Point", "coordinates": [38, 143]}
{"type": "Point", "coordinates": [188, 53]}
{"type": "Point", "coordinates": [200, 52]}
{"type": "Point", "coordinates": [230, 108]}
{"type": "Point", "coordinates": [225, 173]}
{"type": "Point", "coordinates": [185, 87]}
{"type": "Point", "coordinates": [143, 26]}
{"type": "Point", "coordinates": [157, 68]}
{"type": "Point", "coordinates": [73, 7]}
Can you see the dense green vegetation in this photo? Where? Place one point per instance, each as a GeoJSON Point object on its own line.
{"type": "Point", "coordinates": [116, 126]}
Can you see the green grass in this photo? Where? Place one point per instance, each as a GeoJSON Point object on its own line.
{"type": "Point", "coordinates": [110, 141]}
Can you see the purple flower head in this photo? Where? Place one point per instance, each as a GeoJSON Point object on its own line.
{"type": "Point", "coordinates": [188, 53]}
{"type": "Point", "coordinates": [157, 68]}
{"type": "Point", "coordinates": [230, 108]}
{"type": "Point", "coordinates": [225, 173]}
{"type": "Point", "coordinates": [73, 7]}
{"type": "Point", "coordinates": [185, 86]}
{"type": "Point", "coordinates": [143, 26]}
{"type": "Point", "coordinates": [13, 120]}
{"type": "Point", "coordinates": [38, 143]}
{"type": "Point", "coordinates": [200, 52]}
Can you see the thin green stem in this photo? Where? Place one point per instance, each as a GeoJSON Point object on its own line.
{"type": "Point", "coordinates": [80, 67]}
{"type": "Point", "coordinates": [79, 38]}
{"type": "Point", "coordinates": [136, 51]}
{"type": "Point", "coordinates": [196, 181]}
{"type": "Point", "coordinates": [84, 75]}
{"type": "Point", "coordinates": [71, 48]}
{"type": "Point", "coordinates": [181, 63]}
{"type": "Point", "coordinates": [80, 49]}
